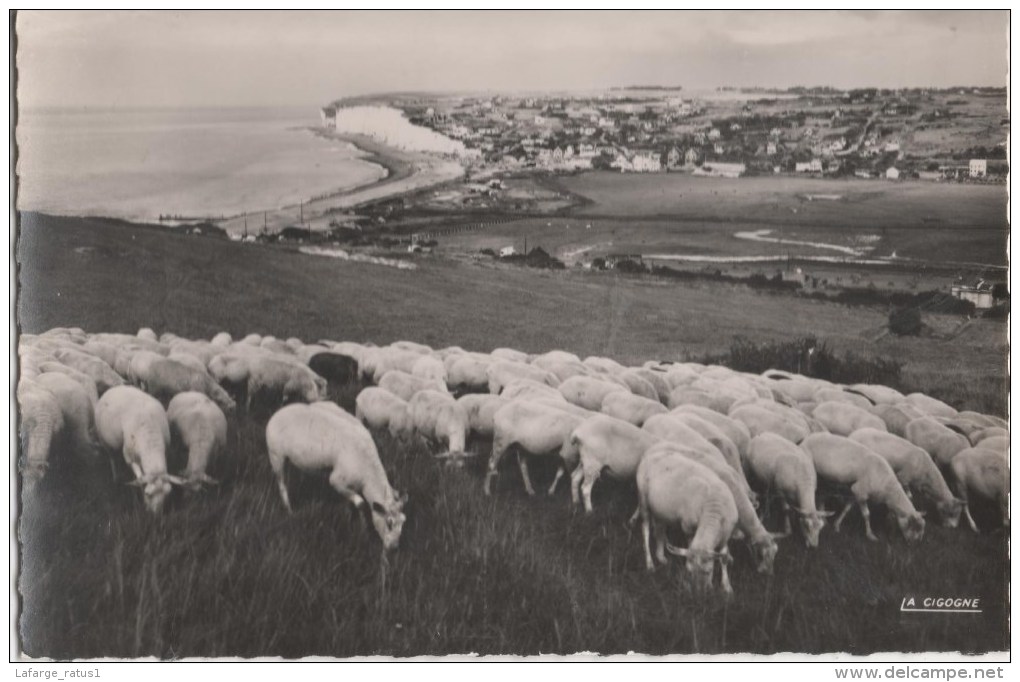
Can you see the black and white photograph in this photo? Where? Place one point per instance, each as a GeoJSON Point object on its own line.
{"type": "Point", "coordinates": [511, 335]}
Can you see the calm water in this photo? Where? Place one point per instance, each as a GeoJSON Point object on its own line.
{"type": "Point", "coordinates": [138, 164]}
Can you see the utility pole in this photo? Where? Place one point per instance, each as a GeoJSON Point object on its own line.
{"type": "Point", "coordinates": [246, 224]}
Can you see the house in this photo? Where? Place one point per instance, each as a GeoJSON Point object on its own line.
{"type": "Point", "coordinates": [646, 161]}
{"type": "Point", "coordinates": [690, 157]}
{"type": "Point", "coordinates": [673, 158]}
{"type": "Point", "coordinates": [622, 162]}
{"type": "Point", "coordinates": [980, 294]}
{"type": "Point", "coordinates": [587, 151]}
{"type": "Point", "coordinates": [771, 148]}
{"type": "Point", "coordinates": [893, 146]}
{"type": "Point", "coordinates": [863, 174]}
{"type": "Point", "coordinates": [714, 134]}
{"type": "Point", "coordinates": [978, 168]}
{"type": "Point", "coordinates": [507, 251]}
{"type": "Point", "coordinates": [892, 173]}
{"type": "Point", "coordinates": [812, 166]}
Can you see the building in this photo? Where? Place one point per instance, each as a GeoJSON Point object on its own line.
{"type": "Point", "coordinates": [691, 157]}
{"type": "Point", "coordinates": [507, 251]}
{"type": "Point", "coordinates": [980, 294]}
{"type": "Point", "coordinates": [812, 166]}
{"type": "Point", "coordinates": [673, 158]}
{"type": "Point", "coordinates": [892, 173]}
{"type": "Point", "coordinates": [771, 148]}
{"type": "Point", "coordinates": [714, 134]}
{"type": "Point", "coordinates": [646, 161]}
{"type": "Point", "coordinates": [978, 168]}
{"type": "Point", "coordinates": [722, 170]}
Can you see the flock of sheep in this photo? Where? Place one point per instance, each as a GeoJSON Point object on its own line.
{"type": "Point", "coordinates": [697, 440]}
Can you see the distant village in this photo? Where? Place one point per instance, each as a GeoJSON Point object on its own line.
{"type": "Point", "coordinates": [868, 133]}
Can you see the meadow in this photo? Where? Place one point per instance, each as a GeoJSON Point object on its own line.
{"type": "Point", "coordinates": [230, 573]}
{"type": "Point", "coordinates": [680, 213]}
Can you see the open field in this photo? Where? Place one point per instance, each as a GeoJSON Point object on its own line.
{"type": "Point", "coordinates": [230, 573]}
{"type": "Point", "coordinates": [679, 213]}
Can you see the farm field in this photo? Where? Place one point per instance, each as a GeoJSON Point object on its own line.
{"type": "Point", "coordinates": [230, 573]}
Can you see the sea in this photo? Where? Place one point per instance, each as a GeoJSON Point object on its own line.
{"type": "Point", "coordinates": [180, 163]}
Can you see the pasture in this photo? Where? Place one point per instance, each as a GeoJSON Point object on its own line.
{"type": "Point", "coordinates": [229, 572]}
{"type": "Point", "coordinates": [680, 213]}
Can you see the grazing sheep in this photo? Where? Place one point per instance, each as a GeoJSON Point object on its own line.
{"type": "Point", "coordinates": [733, 429]}
{"type": "Point", "coordinates": [481, 409]}
{"type": "Point", "coordinates": [997, 444]}
{"type": "Point", "coordinates": [878, 394]}
{"type": "Point", "coordinates": [838, 395]}
{"type": "Point", "coordinates": [135, 424]}
{"type": "Point", "coordinates": [713, 435]}
{"type": "Point", "coordinates": [419, 348]}
{"type": "Point", "coordinates": [188, 360]}
{"type": "Point", "coordinates": [990, 432]}
{"type": "Point", "coordinates": [404, 385]}
{"type": "Point", "coordinates": [759, 419]}
{"type": "Point", "coordinates": [931, 406]}
{"type": "Point", "coordinates": [679, 375]}
{"type": "Point", "coordinates": [982, 473]}
{"type": "Point", "coordinates": [554, 357]}
{"type": "Point", "coordinates": [639, 385]}
{"type": "Point", "coordinates": [42, 421]}
{"type": "Point", "coordinates": [986, 420]}
{"type": "Point", "coordinates": [83, 380]}
{"type": "Point", "coordinates": [510, 355]}
{"type": "Point", "coordinates": [503, 372]}
{"type": "Point", "coordinates": [468, 373]}
{"type": "Point", "coordinates": [315, 439]}
{"type": "Point", "coordinates": [378, 408]}
{"type": "Point", "coordinates": [588, 392]}
{"type": "Point", "coordinates": [605, 445]}
{"type": "Point", "coordinates": [798, 389]}
{"type": "Point", "coordinates": [201, 427]}
{"type": "Point", "coordinates": [147, 334]}
{"type": "Point", "coordinates": [915, 471]}
{"type": "Point", "coordinates": [657, 381]}
{"type": "Point", "coordinates": [897, 416]}
{"type": "Point", "coordinates": [428, 367]}
{"type": "Point", "coordinates": [603, 365]}
{"type": "Point", "coordinates": [334, 367]}
{"type": "Point", "coordinates": [669, 428]}
{"type": "Point", "coordinates": [842, 461]}
{"type": "Point", "coordinates": [165, 378]}
{"type": "Point", "coordinates": [76, 408]}
{"type": "Point", "coordinates": [107, 352]}
{"type": "Point", "coordinates": [843, 419]}
{"type": "Point", "coordinates": [101, 373]}
{"type": "Point", "coordinates": [252, 340]}
{"type": "Point", "coordinates": [676, 491]}
{"type": "Point", "coordinates": [527, 388]}
{"type": "Point", "coordinates": [938, 440]}
{"type": "Point", "coordinates": [538, 429]}
{"type": "Point", "coordinates": [284, 380]}
{"type": "Point", "coordinates": [688, 395]}
{"type": "Point", "coordinates": [390, 358]}
{"type": "Point", "coordinates": [222, 340]}
{"type": "Point", "coordinates": [562, 370]}
{"type": "Point", "coordinates": [437, 416]}
{"type": "Point", "coordinates": [785, 468]}
{"type": "Point", "coordinates": [631, 408]}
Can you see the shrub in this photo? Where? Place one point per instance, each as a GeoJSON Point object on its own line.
{"type": "Point", "coordinates": [905, 321]}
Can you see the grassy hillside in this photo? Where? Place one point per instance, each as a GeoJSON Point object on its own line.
{"type": "Point", "coordinates": [230, 573]}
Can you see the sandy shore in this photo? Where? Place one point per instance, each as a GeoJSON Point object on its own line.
{"type": "Point", "coordinates": [406, 172]}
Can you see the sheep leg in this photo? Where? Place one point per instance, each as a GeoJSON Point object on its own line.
{"type": "Point", "coordinates": [575, 486]}
{"type": "Point", "coordinates": [559, 474]}
{"type": "Point", "coordinates": [645, 533]}
{"type": "Point", "coordinates": [842, 515]}
{"type": "Point", "coordinates": [725, 577]}
{"type": "Point", "coordinates": [498, 451]}
{"type": "Point", "coordinates": [787, 526]}
{"type": "Point", "coordinates": [970, 519]}
{"type": "Point", "coordinates": [522, 462]}
{"type": "Point", "coordinates": [589, 483]}
{"type": "Point", "coordinates": [659, 530]}
{"type": "Point", "coordinates": [866, 513]}
{"type": "Point", "coordinates": [276, 463]}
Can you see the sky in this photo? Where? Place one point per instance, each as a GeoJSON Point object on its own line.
{"type": "Point", "coordinates": [197, 58]}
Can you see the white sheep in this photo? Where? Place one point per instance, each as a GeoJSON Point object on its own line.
{"type": "Point", "coordinates": [188, 360]}
{"type": "Point", "coordinates": [201, 427]}
{"type": "Point", "coordinates": [76, 408]}
{"type": "Point", "coordinates": [997, 444]}
{"type": "Point", "coordinates": [639, 385]}
{"type": "Point", "coordinates": [314, 439]}
{"type": "Point", "coordinates": [630, 407]}
{"type": "Point", "coordinates": [405, 386]}
{"type": "Point", "coordinates": [467, 373]}
{"type": "Point", "coordinates": [538, 429]}
{"type": "Point", "coordinates": [391, 358]}
{"type": "Point", "coordinates": [101, 373]}
{"type": "Point", "coordinates": [605, 445]}
{"type": "Point", "coordinates": [839, 395]}
{"type": "Point", "coordinates": [989, 432]}
{"type": "Point", "coordinates": [843, 419]}
{"type": "Point", "coordinates": [896, 416]}
{"type": "Point", "coordinates": [785, 468]}
{"type": "Point", "coordinates": [671, 428]}
{"type": "Point", "coordinates": [603, 365]}
{"type": "Point", "coordinates": [286, 380]}
{"type": "Point", "coordinates": [84, 380]}
{"type": "Point", "coordinates": [588, 392]}
{"type": "Point", "coordinates": [42, 421]}
{"type": "Point", "coordinates": [222, 340]}
{"type": "Point", "coordinates": [931, 406]}
{"type": "Point", "coordinates": [481, 409]}
{"type": "Point", "coordinates": [878, 394]}
{"type": "Point", "coordinates": [842, 461]}
{"type": "Point", "coordinates": [430, 368]}
{"type": "Point", "coordinates": [528, 388]}
{"type": "Point", "coordinates": [676, 491]}
{"type": "Point", "coordinates": [688, 395]}
{"type": "Point", "coordinates": [503, 372]}
{"type": "Point", "coordinates": [147, 334]}
{"type": "Point", "coordinates": [733, 429]}
{"type": "Point", "coordinates": [135, 424]}
{"type": "Point", "coordinates": [982, 473]}
{"type": "Point", "coordinates": [414, 347]}
{"type": "Point", "coordinates": [378, 408]}
{"type": "Point", "coordinates": [759, 419]}
{"type": "Point", "coordinates": [562, 369]}
{"type": "Point", "coordinates": [915, 470]}
{"type": "Point", "coordinates": [938, 440]}
{"type": "Point", "coordinates": [656, 379]}
{"type": "Point", "coordinates": [510, 355]}
{"type": "Point", "coordinates": [437, 416]}
{"type": "Point", "coordinates": [164, 378]}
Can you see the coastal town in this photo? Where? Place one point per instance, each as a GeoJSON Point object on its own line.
{"type": "Point", "coordinates": [956, 134]}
